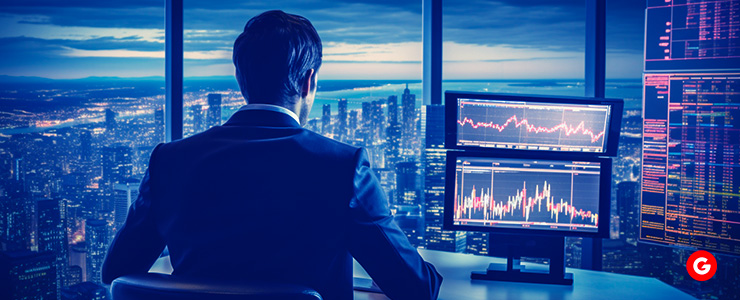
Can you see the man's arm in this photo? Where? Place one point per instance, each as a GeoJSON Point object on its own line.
{"type": "Point", "coordinates": [380, 246]}
{"type": "Point", "coordinates": [137, 244]}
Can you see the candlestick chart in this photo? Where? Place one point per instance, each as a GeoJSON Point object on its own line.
{"type": "Point", "coordinates": [550, 195]}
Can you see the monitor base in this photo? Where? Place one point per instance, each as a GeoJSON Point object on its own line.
{"type": "Point", "coordinates": [514, 247]}
{"type": "Point", "coordinates": [498, 272]}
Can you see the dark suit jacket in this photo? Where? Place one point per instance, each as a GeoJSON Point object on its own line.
{"type": "Point", "coordinates": [262, 198]}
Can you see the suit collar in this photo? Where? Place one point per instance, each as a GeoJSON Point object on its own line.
{"type": "Point", "coordinates": [260, 117]}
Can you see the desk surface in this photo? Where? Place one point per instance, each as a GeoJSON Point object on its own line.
{"type": "Point", "coordinates": [456, 268]}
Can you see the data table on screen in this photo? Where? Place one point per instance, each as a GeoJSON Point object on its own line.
{"type": "Point", "coordinates": [692, 35]}
{"type": "Point", "coordinates": [691, 161]}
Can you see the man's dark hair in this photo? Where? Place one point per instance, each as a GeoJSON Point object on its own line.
{"type": "Point", "coordinates": [273, 54]}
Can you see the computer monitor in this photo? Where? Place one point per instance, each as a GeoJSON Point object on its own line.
{"type": "Point", "coordinates": [514, 122]}
{"type": "Point", "coordinates": [691, 36]}
{"type": "Point", "coordinates": [691, 161]}
{"type": "Point", "coordinates": [525, 194]}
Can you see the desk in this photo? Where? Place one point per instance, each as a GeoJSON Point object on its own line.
{"type": "Point", "coordinates": [456, 268]}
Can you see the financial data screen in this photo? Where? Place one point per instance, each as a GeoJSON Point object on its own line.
{"type": "Point", "coordinates": [692, 35]}
{"type": "Point", "coordinates": [691, 161]}
{"type": "Point", "coordinates": [532, 125]}
{"type": "Point", "coordinates": [527, 194]}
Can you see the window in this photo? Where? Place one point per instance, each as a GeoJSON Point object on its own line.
{"type": "Point", "coordinates": [530, 47]}
{"type": "Point", "coordinates": [82, 91]}
{"type": "Point", "coordinates": [369, 85]}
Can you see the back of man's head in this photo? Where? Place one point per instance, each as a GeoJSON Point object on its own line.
{"type": "Point", "coordinates": [273, 56]}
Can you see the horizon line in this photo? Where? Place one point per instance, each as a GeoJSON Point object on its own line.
{"type": "Point", "coordinates": [157, 77]}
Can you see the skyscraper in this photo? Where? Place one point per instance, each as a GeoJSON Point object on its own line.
{"type": "Point", "coordinates": [110, 120]}
{"type": "Point", "coordinates": [117, 163]}
{"type": "Point", "coordinates": [27, 275]}
{"type": "Point", "coordinates": [198, 118]}
{"type": "Point", "coordinates": [16, 208]}
{"type": "Point", "coordinates": [85, 146]}
{"type": "Point", "coordinates": [434, 185]}
{"type": "Point", "coordinates": [96, 238]}
{"type": "Point", "coordinates": [406, 183]}
{"type": "Point", "coordinates": [74, 275]}
{"type": "Point", "coordinates": [392, 109]}
{"type": "Point", "coordinates": [325, 119]}
{"type": "Point", "coordinates": [158, 125]}
{"type": "Point", "coordinates": [408, 103]}
{"type": "Point", "coordinates": [124, 194]}
{"type": "Point", "coordinates": [393, 145]}
{"type": "Point", "coordinates": [628, 193]}
{"type": "Point", "coordinates": [341, 129]}
{"type": "Point", "coordinates": [52, 235]}
{"type": "Point", "coordinates": [214, 110]}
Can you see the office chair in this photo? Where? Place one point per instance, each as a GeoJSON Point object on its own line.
{"type": "Point", "coordinates": [166, 287]}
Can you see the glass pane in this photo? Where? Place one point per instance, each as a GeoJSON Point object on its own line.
{"type": "Point", "coordinates": [510, 46]}
{"type": "Point", "coordinates": [367, 57]}
{"type": "Point", "coordinates": [369, 85]}
{"type": "Point", "coordinates": [82, 92]}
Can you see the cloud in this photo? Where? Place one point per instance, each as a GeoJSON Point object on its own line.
{"type": "Point", "coordinates": [357, 35]}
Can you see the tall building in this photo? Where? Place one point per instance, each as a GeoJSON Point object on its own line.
{"type": "Point", "coordinates": [110, 120]}
{"type": "Point", "coordinates": [392, 109]}
{"type": "Point", "coordinates": [628, 193]}
{"type": "Point", "coordinates": [158, 125]}
{"type": "Point", "coordinates": [434, 185]}
{"type": "Point", "coordinates": [214, 110]}
{"type": "Point", "coordinates": [378, 121]}
{"type": "Point", "coordinates": [409, 219]}
{"type": "Point", "coordinates": [199, 124]}
{"type": "Point", "coordinates": [392, 145]}
{"type": "Point", "coordinates": [124, 194]}
{"type": "Point", "coordinates": [74, 275]}
{"type": "Point", "coordinates": [352, 124]}
{"type": "Point", "coordinates": [27, 275]}
{"type": "Point", "coordinates": [96, 238]}
{"type": "Point", "coordinates": [341, 129]}
{"type": "Point", "coordinates": [325, 119]}
{"type": "Point", "coordinates": [406, 183]}
{"type": "Point", "coordinates": [78, 259]}
{"type": "Point", "coordinates": [408, 103]}
{"type": "Point", "coordinates": [17, 211]}
{"type": "Point", "coordinates": [52, 236]}
{"type": "Point", "coordinates": [477, 243]}
{"type": "Point", "coordinates": [117, 163]}
{"type": "Point", "coordinates": [86, 149]}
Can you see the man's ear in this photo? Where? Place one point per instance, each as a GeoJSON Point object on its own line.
{"type": "Point", "coordinates": [308, 83]}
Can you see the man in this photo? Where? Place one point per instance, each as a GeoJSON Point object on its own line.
{"type": "Point", "coordinates": [259, 197]}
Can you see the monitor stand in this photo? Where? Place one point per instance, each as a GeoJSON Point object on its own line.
{"type": "Point", "coordinates": [514, 248]}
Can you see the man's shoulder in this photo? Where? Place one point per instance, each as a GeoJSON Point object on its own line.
{"type": "Point", "coordinates": [309, 141]}
{"type": "Point", "coordinates": [315, 140]}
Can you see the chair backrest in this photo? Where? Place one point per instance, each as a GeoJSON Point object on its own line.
{"type": "Point", "coordinates": [166, 287]}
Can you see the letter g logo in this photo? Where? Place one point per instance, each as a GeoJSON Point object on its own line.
{"type": "Point", "coordinates": [701, 265]}
{"type": "Point", "coordinates": [704, 269]}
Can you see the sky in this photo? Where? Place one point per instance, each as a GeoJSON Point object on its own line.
{"type": "Point", "coordinates": [380, 39]}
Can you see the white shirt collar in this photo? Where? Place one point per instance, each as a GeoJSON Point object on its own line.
{"type": "Point", "coordinates": [271, 107]}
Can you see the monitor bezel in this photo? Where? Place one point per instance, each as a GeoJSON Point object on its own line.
{"type": "Point", "coordinates": [611, 137]}
{"type": "Point", "coordinates": [604, 194]}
